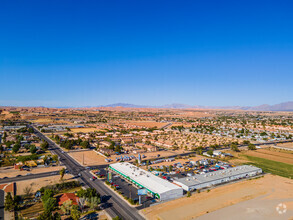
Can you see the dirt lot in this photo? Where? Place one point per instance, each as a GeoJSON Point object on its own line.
{"type": "Point", "coordinates": [288, 145]}
{"type": "Point", "coordinates": [11, 172]}
{"type": "Point", "coordinates": [84, 130]}
{"type": "Point", "coordinates": [49, 121]}
{"type": "Point", "coordinates": [36, 184]}
{"type": "Point", "coordinates": [252, 198]}
{"type": "Point", "coordinates": [272, 155]}
{"type": "Point", "coordinates": [91, 158]}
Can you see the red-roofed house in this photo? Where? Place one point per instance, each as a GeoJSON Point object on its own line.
{"type": "Point", "coordinates": [68, 197]}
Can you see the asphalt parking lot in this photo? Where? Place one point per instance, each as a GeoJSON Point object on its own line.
{"type": "Point", "coordinates": [130, 191]}
{"type": "Point", "coordinates": [127, 189]}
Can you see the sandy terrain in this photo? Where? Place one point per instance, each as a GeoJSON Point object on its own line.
{"type": "Point", "coordinates": [259, 196]}
{"type": "Point", "coordinates": [272, 155]}
{"type": "Point", "coordinates": [36, 184]}
{"type": "Point", "coordinates": [49, 121]}
{"type": "Point", "coordinates": [92, 158]}
{"type": "Point", "coordinates": [83, 130]}
{"type": "Point", "coordinates": [288, 145]}
{"type": "Point", "coordinates": [11, 172]}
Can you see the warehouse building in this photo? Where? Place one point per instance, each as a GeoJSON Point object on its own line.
{"type": "Point", "coordinates": [158, 187]}
{"type": "Point", "coordinates": [200, 181]}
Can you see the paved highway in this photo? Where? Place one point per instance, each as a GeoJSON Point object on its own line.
{"type": "Point", "coordinates": [117, 206]}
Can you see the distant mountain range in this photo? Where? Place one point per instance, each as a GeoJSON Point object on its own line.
{"type": "Point", "coordinates": [285, 106]}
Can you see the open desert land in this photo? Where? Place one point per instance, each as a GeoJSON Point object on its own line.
{"type": "Point", "coordinates": [146, 124]}
{"type": "Point", "coordinates": [287, 145]}
{"type": "Point", "coordinates": [49, 121]}
{"type": "Point", "coordinates": [11, 172]}
{"type": "Point", "coordinates": [91, 158]}
{"type": "Point", "coordinates": [84, 130]}
{"type": "Point", "coordinates": [36, 184]}
{"type": "Point", "coordinates": [248, 199]}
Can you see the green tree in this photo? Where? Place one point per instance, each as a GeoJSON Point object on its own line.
{"type": "Point", "coordinates": [55, 158]}
{"type": "Point", "coordinates": [9, 202]}
{"type": "Point", "coordinates": [44, 145]}
{"type": "Point", "coordinates": [188, 193]}
{"type": "Point", "coordinates": [234, 147]}
{"type": "Point", "coordinates": [85, 144]}
{"type": "Point", "coordinates": [48, 216]}
{"type": "Point", "coordinates": [33, 149]}
{"type": "Point", "coordinates": [48, 193]}
{"type": "Point", "coordinates": [16, 148]}
{"type": "Point", "coordinates": [251, 147]}
{"type": "Point", "coordinates": [62, 173]}
{"type": "Point", "coordinates": [210, 152]}
{"type": "Point", "coordinates": [93, 202]}
{"type": "Point", "coordinates": [50, 204]}
{"type": "Point", "coordinates": [170, 168]}
{"type": "Point", "coordinates": [75, 213]}
{"type": "Point", "coordinates": [66, 207]}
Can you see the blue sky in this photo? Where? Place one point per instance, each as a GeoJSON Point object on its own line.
{"type": "Point", "coordinates": [89, 53]}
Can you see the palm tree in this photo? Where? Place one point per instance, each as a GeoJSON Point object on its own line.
{"type": "Point", "coordinates": [66, 207]}
{"type": "Point", "coordinates": [81, 203]}
{"type": "Point", "coordinates": [93, 202]}
{"type": "Point", "coordinates": [62, 173]}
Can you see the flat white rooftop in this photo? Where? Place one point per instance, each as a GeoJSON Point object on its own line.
{"type": "Point", "coordinates": [217, 175]}
{"type": "Point", "coordinates": [145, 178]}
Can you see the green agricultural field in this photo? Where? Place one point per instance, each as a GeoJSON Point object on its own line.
{"type": "Point", "coordinates": [273, 167]}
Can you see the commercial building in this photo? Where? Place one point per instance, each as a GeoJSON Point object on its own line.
{"type": "Point", "coordinates": [158, 187]}
{"type": "Point", "coordinates": [199, 181]}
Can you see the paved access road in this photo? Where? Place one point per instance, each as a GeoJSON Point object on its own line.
{"type": "Point", "coordinates": [117, 206]}
{"type": "Point", "coordinates": [28, 177]}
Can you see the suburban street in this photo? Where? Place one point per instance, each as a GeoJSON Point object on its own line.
{"type": "Point", "coordinates": [117, 206]}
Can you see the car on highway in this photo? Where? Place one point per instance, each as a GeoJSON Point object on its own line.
{"type": "Point", "coordinates": [28, 174]}
{"type": "Point", "coordinates": [94, 178]}
{"type": "Point", "coordinates": [18, 175]}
